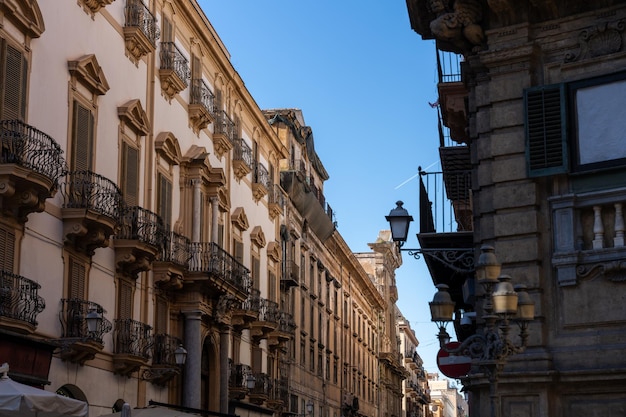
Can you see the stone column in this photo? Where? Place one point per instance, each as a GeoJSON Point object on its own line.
{"type": "Point", "coordinates": [214, 218]}
{"type": "Point", "coordinates": [224, 349]}
{"type": "Point", "coordinates": [193, 343]}
{"type": "Point", "coordinates": [197, 211]}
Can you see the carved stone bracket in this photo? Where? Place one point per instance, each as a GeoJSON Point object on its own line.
{"type": "Point", "coordinates": [199, 116]}
{"type": "Point", "coordinates": [613, 271]}
{"type": "Point", "coordinates": [221, 145]}
{"type": "Point", "coordinates": [240, 169]}
{"type": "Point", "coordinates": [258, 191]}
{"type": "Point", "coordinates": [137, 43]}
{"type": "Point", "coordinates": [171, 84]}
{"type": "Point", "coordinates": [93, 6]}
{"type": "Point", "coordinates": [604, 39]}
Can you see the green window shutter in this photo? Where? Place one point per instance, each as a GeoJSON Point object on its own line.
{"type": "Point", "coordinates": [546, 130]}
{"type": "Point", "coordinates": [14, 87]}
{"type": "Point", "coordinates": [82, 138]}
{"type": "Point", "coordinates": [7, 250]}
{"type": "Point", "coordinates": [77, 278]}
{"type": "Point", "coordinates": [130, 167]}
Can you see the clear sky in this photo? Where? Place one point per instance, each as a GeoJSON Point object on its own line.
{"type": "Point", "coordinates": [363, 80]}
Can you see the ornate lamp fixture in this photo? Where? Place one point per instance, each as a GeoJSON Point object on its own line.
{"type": "Point", "coordinates": [502, 304]}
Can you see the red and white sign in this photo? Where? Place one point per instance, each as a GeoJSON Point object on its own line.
{"type": "Point", "coordinates": [453, 366]}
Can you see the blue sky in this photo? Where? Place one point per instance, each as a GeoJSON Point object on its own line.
{"type": "Point", "coordinates": [363, 80]}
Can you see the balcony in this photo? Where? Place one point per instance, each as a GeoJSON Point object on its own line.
{"type": "Point", "coordinates": [164, 366]}
{"type": "Point", "coordinates": [284, 330]}
{"type": "Point", "coordinates": [77, 343]}
{"type": "Point", "coordinates": [238, 381]}
{"type": "Point", "coordinates": [243, 160]}
{"type": "Point", "coordinates": [262, 388]}
{"type": "Point", "coordinates": [138, 240]}
{"type": "Point", "coordinates": [291, 274]}
{"type": "Point", "coordinates": [276, 199]}
{"type": "Point", "coordinates": [452, 96]}
{"type": "Point", "coordinates": [446, 229]}
{"type": "Point", "coordinates": [91, 210]}
{"type": "Point", "coordinates": [20, 303]}
{"type": "Point", "coordinates": [140, 30]}
{"type": "Point", "coordinates": [170, 267]}
{"type": "Point", "coordinates": [31, 164]}
{"type": "Point", "coordinates": [308, 200]}
{"type": "Point", "coordinates": [267, 321]}
{"type": "Point", "coordinates": [260, 182]}
{"type": "Point", "coordinates": [201, 105]}
{"type": "Point", "coordinates": [279, 394]}
{"type": "Point", "coordinates": [133, 345]}
{"type": "Point", "coordinates": [248, 312]}
{"type": "Point", "coordinates": [223, 273]}
{"type": "Point", "coordinates": [223, 133]}
{"type": "Point", "coordinates": [174, 70]}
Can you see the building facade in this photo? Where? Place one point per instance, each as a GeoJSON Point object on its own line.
{"type": "Point", "coordinates": [533, 166]}
{"type": "Point", "coordinates": [149, 207]}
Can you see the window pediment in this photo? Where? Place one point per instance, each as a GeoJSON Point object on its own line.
{"type": "Point", "coordinates": [26, 15]}
{"type": "Point", "coordinates": [87, 71]}
{"type": "Point", "coordinates": [273, 251]}
{"type": "Point", "coordinates": [133, 115]}
{"type": "Point", "coordinates": [168, 148]}
{"type": "Point", "coordinates": [239, 219]}
{"type": "Point", "coordinates": [258, 237]}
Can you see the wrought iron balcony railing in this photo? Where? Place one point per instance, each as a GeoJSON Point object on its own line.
{"type": "Point", "coordinates": [261, 175]}
{"type": "Point", "coordinates": [73, 317]}
{"type": "Point", "coordinates": [286, 323]}
{"type": "Point", "coordinates": [276, 195]}
{"type": "Point", "coordinates": [449, 66]}
{"type": "Point", "coordinates": [143, 225]}
{"type": "Point", "coordinates": [224, 125]}
{"type": "Point", "coordinates": [139, 16]}
{"type": "Point", "coordinates": [280, 390]}
{"type": "Point", "coordinates": [163, 350]}
{"type": "Point", "coordinates": [91, 191]}
{"type": "Point", "coordinates": [210, 258]}
{"type": "Point", "coordinates": [262, 385]}
{"type": "Point", "coordinates": [268, 311]}
{"type": "Point", "coordinates": [23, 145]}
{"type": "Point", "coordinates": [133, 338]}
{"type": "Point", "coordinates": [19, 298]}
{"type": "Point", "coordinates": [173, 59]}
{"type": "Point", "coordinates": [238, 376]}
{"type": "Point", "coordinates": [445, 204]}
{"type": "Point", "coordinates": [298, 165]}
{"type": "Point", "coordinates": [176, 249]}
{"type": "Point", "coordinates": [201, 94]}
{"type": "Point", "coordinates": [253, 302]}
{"type": "Point", "coordinates": [243, 152]}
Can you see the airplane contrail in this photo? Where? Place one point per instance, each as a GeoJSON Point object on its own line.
{"type": "Point", "coordinates": [411, 178]}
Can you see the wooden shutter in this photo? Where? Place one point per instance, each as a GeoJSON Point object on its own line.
{"type": "Point", "coordinates": [238, 251]}
{"type": "Point", "coordinates": [82, 138]}
{"type": "Point", "coordinates": [160, 320]}
{"type": "Point", "coordinates": [256, 272]}
{"type": "Point", "coordinates": [125, 299]}
{"type": "Point", "coordinates": [15, 70]}
{"type": "Point", "coordinates": [168, 31]}
{"type": "Point", "coordinates": [546, 130]}
{"type": "Point", "coordinates": [7, 250]}
{"type": "Point", "coordinates": [77, 279]}
{"type": "Point", "coordinates": [165, 199]}
{"type": "Point", "coordinates": [130, 170]}
{"type": "Point", "coordinates": [257, 359]}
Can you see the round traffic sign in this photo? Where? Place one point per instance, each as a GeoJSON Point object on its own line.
{"type": "Point", "coordinates": [451, 365]}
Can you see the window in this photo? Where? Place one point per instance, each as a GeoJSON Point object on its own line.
{"type": "Point", "coordinates": [125, 298]}
{"type": "Point", "coordinates": [7, 250]}
{"type": "Point", "coordinates": [130, 174]}
{"type": "Point", "coordinates": [13, 82]}
{"type": "Point", "coordinates": [164, 198]}
{"type": "Point", "coordinates": [576, 126]}
{"type": "Point", "coordinates": [77, 278]}
{"type": "Point", "coordinates": [82, 137]}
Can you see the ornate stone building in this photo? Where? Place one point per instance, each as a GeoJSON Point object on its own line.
{"type": "Point", "coordinates": [150, 208]}
{"type": "Point", "coordinates": [534, 108]}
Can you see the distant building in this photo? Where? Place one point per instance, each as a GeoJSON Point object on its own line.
{"type": "Point", "coordinates": [446, 401]}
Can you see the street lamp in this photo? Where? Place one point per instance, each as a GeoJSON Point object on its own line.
{"type": "Point", "coordinates": [180, 355]}
{"type": "Point", "coordinates": [399, 221]}
{"type": "Point", "coordinates": [502, 303]}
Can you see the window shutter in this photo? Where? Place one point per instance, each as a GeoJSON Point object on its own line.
{"type": "Point", "coordinates": [167, 30]}
{"type": "Point", "coordinates": [7, 250]}
{"type": "Point", "coordinates": [77, 278]}
{"type": "Point", "coordinates": [130, 166]}
{"type": "Point", "coordinates": [256, 272]}
{"type": "Point", "coordinates": [82, 138]}
{"type": "Point", "coordinates": [160, 322]}
{"type": "Point", "coordinates": [125, 307]}
{"type": "Point", "coordinates": [165, 200]}
{"type": "Point", "coordinates": [546, 130]}
{"type": "Point", "coordinates": [14, 93]}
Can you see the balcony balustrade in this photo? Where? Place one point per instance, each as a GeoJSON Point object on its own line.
{"type": "Point", "coordinates": [279, 394]}
{"type": "Point", "coordinates": [237, 381]}
{"type": "Point", "coordinates": [248, 312]}
{"type": "Point", "coordinates": [260, 181]}
{"type": "Point", "coordinates": [133, 343]}
{"type": "Point", "coordinates": [208, 258]}
{"type": "Point", "coordinates": [140, 30]}
{"type": "Point", "coordinates": [223, 133]}
{"type": "Point", "coordinates": [170, 267]}
{"type": "Point", "coordinates": [284, 330]}
{"type": "Point", "coordinates": [31, 164]}
{"type": "Point", "coordinates": [20, 303]}
{"type": "Point", "coordinates": [243, 160]}
{"type": "Point", "coordinates": [262, 388]}
{"type": "Point", "coordinates": [174, 70]}
{"type": "Point", "coordinates": [291, 274]}
{"type": "Point", "coordinates": [267, 321]}
{"type": "Point", "coordinates": [277, 199]}
{"type": "Point", "coordinates": [92, 207]}
{"type": "Point", "coordinates": [79, 344]}
{"type": "Point", "coordinates": [201, 105]}
{"type": "Point", "coordinates": [138, 241]}
{"type": "Point", "coordinates": [452, 95]}
{"type": "Point", "coordinates": [164, 365]}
